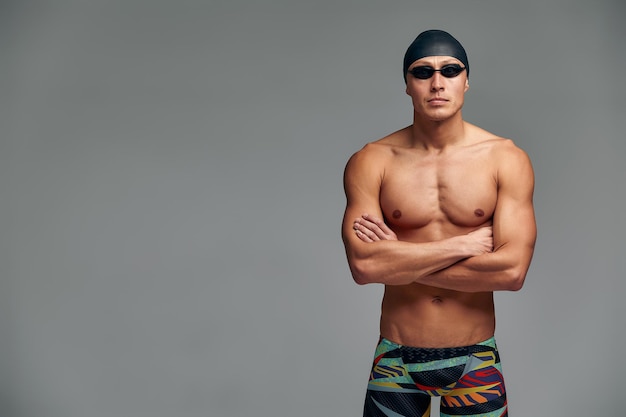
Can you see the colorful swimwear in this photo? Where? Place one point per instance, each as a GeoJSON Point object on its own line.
{"type": "Point", "coordinates": [468, 379]}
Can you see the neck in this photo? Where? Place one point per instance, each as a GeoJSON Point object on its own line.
{"type": "Point", "coordinates": [437, 134]}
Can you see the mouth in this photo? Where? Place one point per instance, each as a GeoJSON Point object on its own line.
{"type": "Point", "coordinates": [437, 100]}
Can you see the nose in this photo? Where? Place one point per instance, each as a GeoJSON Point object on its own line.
{"type": "Point", "coordinates": [436, 83]}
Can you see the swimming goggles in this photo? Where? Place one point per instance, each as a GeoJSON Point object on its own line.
{"type": "Point", "coordinates": [425, 72]}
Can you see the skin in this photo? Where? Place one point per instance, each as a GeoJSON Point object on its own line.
{"type": "Point", "coordinates": [441, 213]}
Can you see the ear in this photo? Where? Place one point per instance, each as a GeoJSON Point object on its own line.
{"type": "Point", "coordinates": [466, 84]}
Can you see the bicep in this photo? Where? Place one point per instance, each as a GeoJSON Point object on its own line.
{"type": "Point", "coordinates": [362, 183]}
{"type": "Point", "coordinates": [514, 218]}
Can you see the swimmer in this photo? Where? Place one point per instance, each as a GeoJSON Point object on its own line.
{"type": "Point", "coordinates": [440, 212]}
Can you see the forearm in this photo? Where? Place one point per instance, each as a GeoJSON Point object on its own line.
{"type": "Point", "coordinates": [503, 270]}
{"type": "Point", "coordinates": [401, 263]}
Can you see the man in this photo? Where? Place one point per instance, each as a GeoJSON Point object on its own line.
{"type": "Point", "coordinates": [441, 213]}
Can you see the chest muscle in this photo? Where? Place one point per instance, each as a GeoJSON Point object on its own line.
{"type": "Point", "coordinates": [448, 191]}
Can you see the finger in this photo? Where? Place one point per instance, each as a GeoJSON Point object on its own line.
{"type": "Point", "coordinates": [367, 221]}
{"type": "Point", "coordinates": [367, 230]}
{"type": "Point", "coordinates": [363, 236]}
{"type": "Point", "coordinates": [375, 222]}
{"type": "Point", "coordinates": [383, 231]}
{"type": "Point", "coordinates": [383, 227]}
{"type": "Point", "coordinates": [368, 227]}
{"type": "Point", "coordinates": [374, 232]}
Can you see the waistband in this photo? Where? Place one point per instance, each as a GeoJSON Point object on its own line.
{"type": "Point", "coordinates": [418, 354]}
{"type": "Point", "coordinates": [491, 342]}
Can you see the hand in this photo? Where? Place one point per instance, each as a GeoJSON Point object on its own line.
{"type": "Point", "coordinates": [372, 229]}
{"type": "Point", "coordinates": [480, 241]}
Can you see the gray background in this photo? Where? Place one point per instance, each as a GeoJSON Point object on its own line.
{"type": "Point", "coordinates": [171, 197]}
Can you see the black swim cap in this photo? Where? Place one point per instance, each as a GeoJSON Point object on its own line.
{"type": "Point", "coordinates": [434, 43]}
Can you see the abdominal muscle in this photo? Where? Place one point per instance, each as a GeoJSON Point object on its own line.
{"type": "Point", "coordinates": [423, 316]}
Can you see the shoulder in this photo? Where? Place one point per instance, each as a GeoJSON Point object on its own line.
{"type": "Point", "coordinates": [366, 166]}
{"type": "Point", "coordinates": [508, 153]}
{"type": "Point", "coordinates": [513, 165]}
{"type": "Point", "coordinates": [373, 152]}
{"type": "Point", "coordinates": [504, 155]}
{"type": "Point", "coordinates": [377, 153]}
{"type": "Point", "coordinates": [501, 149]}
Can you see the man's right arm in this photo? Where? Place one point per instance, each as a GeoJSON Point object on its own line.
{"type": "Point", "coordinates": [393, 262]}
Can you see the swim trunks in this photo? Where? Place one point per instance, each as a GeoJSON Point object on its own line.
{"type": "Point", "coordinates": [468, 379]}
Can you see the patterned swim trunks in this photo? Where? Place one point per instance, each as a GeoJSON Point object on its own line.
{"type": "Point", "coordinates": [468, 379]}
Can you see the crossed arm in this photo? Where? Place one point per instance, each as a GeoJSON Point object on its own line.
{"type": "Point", "coordinates": [488, 259]}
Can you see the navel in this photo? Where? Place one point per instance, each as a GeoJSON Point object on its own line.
{"type": "Point", "coordinates": [437, 300]}
{"type": "Point", "coordinates": [396, 214]}
{"type": "Point", "coordinates": [479, 212]}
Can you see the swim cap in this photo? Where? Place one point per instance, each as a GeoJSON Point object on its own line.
{"type": "Point", "coordinates": [434, 43]}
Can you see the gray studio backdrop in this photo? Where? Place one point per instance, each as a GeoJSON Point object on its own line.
{"type": "Point", "coordinates": [170, 200]}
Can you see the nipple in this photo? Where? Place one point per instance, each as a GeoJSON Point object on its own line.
{"type": "Point", "coordinates": [479, 212]}
{"type": "Point", "coordinates": [396, 214]}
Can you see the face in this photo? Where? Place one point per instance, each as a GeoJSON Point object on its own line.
{"type": "Point", "coordinates": [437, 98]}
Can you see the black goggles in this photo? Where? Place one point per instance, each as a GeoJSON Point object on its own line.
{"type": "Point", "coordinates": [425, 72]}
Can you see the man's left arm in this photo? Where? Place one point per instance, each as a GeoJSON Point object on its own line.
{"type": "Point", "coordinates": [514, 234]}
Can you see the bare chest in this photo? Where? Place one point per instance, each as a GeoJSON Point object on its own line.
{"type": "Point", "coordinates": [456, 191]}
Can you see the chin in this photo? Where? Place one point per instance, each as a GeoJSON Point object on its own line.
{"type": "Point", "coordinates": [441, 114]}
{"type": "Point", "coordinates": [438, 116]}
